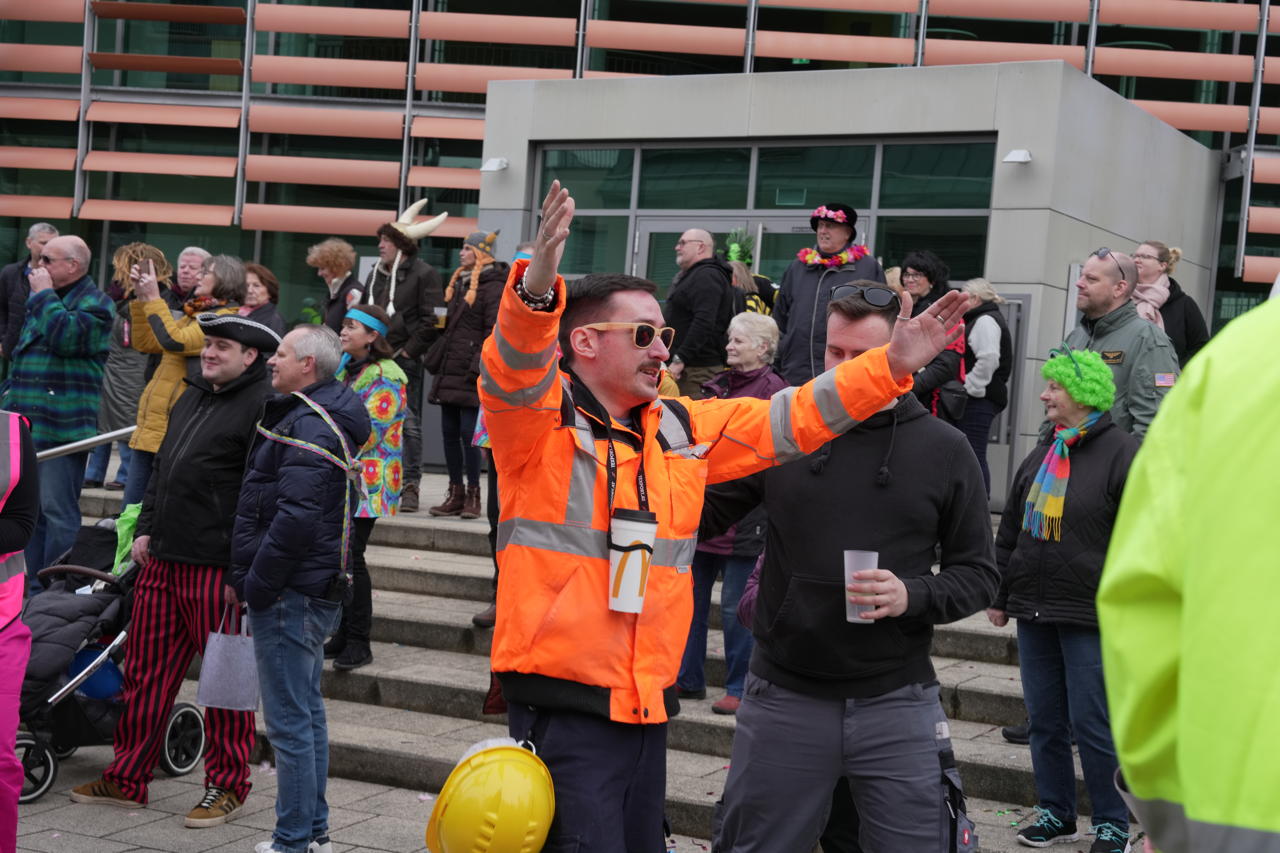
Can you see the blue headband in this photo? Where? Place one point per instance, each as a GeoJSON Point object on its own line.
{"type": "Point", "coordinates": [368, 320]}
{"type": "Point", "coordinates": [520, 256]}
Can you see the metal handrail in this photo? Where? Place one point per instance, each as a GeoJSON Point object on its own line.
{"type": "Point", "coordinates": [1251, 137]}
{"type": "Point", "coordinates": [85, 443]}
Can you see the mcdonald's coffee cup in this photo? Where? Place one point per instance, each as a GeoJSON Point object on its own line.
{"type": "Point", "coordinates": [631, 536]}
{"type": "Point", "coordinates": [857, 561]}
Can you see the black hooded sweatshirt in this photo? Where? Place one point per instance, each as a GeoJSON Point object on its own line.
{"type": "Point", "coordinates": [898, 483]}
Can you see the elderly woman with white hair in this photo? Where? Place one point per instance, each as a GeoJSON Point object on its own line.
{"type": "Point", "coordinates": [753, 342]}
{"type": "Point", "coordinates": [988, 361]}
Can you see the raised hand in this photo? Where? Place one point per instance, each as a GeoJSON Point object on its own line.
{"type": "Point", "coordinates": [40, 280]}
{"type": "Point", "coordinates": [917, 340]}
{"type": "Point", "coordinates": [557, 214]}
{"type": "Point", "coordinates": [146, 286]}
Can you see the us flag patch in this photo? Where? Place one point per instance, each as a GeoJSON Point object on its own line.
{"type": "Point", "coordinates": [1165, 380]}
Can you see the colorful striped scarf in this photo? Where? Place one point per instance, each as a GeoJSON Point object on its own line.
{"type": "Point", "coordinates": [1042, 515]}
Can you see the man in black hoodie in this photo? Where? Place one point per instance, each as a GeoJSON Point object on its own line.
{"type": "Point", "coordinates": [183, 543]}
{"type": "Point", "coordinates": [699, 308]}
{"type": "Point", "coordinates": [826, 698]}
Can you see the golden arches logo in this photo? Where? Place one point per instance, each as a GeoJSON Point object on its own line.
{"type": "Point", "coordinates": [646, 557]}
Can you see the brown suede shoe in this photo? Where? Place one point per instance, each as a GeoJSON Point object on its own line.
{"type": "Point", "coordinates": [409, 498]}
{"type": "Point", "coordinates": [452, 504]}
{"type": "Point", "coordinates": [102, 791]}
{"type": "Point", "coordinates": [215, 808]}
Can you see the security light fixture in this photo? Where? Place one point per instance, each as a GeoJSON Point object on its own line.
{"type": "Point", "coordinates": [497, 164]}
{"type": "Point", "coordinates": [1017, 155]}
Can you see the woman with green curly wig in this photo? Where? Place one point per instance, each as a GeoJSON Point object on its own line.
{"type": "Point", "coordinates": [1051, 546]}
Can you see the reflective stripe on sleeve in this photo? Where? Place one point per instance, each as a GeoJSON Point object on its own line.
{"type": "Point", "coordinates": [520, 397]}
{"type": "Point", "coordinates": [826, 396]}
{"type": "Point", "coordinates": [784, 439]}
{"type": "Point", "coordinates": [518, 360]}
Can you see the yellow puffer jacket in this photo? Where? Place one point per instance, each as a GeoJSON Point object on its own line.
{"type": "Point", "coordinates": [155, 329]}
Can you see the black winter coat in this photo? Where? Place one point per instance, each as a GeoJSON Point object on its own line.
{"type": "Point", "coordinates": [1055, 581]}
{"type": "Point", "coordinates": [899, 483]}
{"type": "Point", "coordinates": [699, 308]}
{"type": "Point", "coordinates": [190, 505]}
{"type": "Point", "coordinates": [466, 327]}
{"type": "Point", "coordinates": [336, 308]}
{"type": "Point", "coordinates": [1183, 323]}
{"type": "Point", "coordinates": [418, 293]}
{"type": "Point", "coordinates": [14, 290]}
{"type": "Point", "coordinates": [269, 315]}
{"type": "Point", "coordinates": [800, 310]}
{"type": "Point", "coordinates": [288, 527]}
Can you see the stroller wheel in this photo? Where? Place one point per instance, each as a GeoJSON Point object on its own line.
{"type": "Point", "coordinates": [183, 740]}
{"type": "Point", "coordinates": [39, 768]}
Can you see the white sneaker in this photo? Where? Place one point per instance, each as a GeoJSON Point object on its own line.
{"type": "Point", "coordinates": [266, 847]}
{"type": "Point", "coordinates": [317, 847]}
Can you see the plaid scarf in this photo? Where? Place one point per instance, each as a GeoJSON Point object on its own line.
{"type": "Point", "coordinates": [1042, 515]}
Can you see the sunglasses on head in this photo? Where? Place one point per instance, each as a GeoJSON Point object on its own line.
{"type": "Point", "coordinates": [642, 333]}
{"type": "Point", "coordinates": [874, 295]}
{"type": "Point", "coordinates": [1104, 252]}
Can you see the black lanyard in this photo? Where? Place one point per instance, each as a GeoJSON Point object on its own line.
{"type": "Point", "coordinates": [642, 486]}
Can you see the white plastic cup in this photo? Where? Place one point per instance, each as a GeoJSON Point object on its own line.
{"type": "Point", "coordinates": [441, 315]}
{"type": "Point", "coordinates": [631, 536]}
{"type": "Point", "coordinates": [858, 561]}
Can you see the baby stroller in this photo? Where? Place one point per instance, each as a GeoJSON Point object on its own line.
{"type": "Point", "coordinates": [71, 696]}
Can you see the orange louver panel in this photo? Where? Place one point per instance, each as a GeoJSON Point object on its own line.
{"type": "Point", "coordinates": [331, 21]}
{"type": "Point", "coordinates": [173, 12]}
{"type": "Point", "coordinates": [156, 211]}
{"type": "Point", "coordinates": [170, 64]}
{"type": "Point", "coordinates": [950, 52]}
{"type": "Point", "coordinates": [1172, 64]}
{"type": "Point", "coordinates": [126, 113]}
{"type": "Point", "coordinates": [44, 109]}
{"type": "Point", "coordinates": [46, 58]}
{"type": "Point", "coordinates": [444, 177]}
{"type": "Point", "coordinates": [431, 127]}
{"type": "Point", "coordinates": [666, 38]}
{"type": "Point", "coordinates": [31, 157]}
{"type": "Point", "coordinates": [1264, 220]}
{"type": "Point", "coordinates": [1257, 269]}
{"type": "Point", "coordinates": [334, 220]}
{"type": "Point", "coordinates": [1191, 14]}
{"type": "Point", "coordinates": [1266, 170]}
{"type": "Point", "coordinates": [444, 77]}
{"type": "Point", "coordinates": [322, 71]}
{"type": "Point", "coordinates": [51, 11]}
{"type": "Point", "coordinates": [322, 170]}
{"type": "Point", "coordinates": [310, 121]}
{"type": "Point", "coordinates": [1219, 117]}
{"type": "Point", "coordinates": [901, 7]}
{"type": "Point", "coordinates": [1071, 11]}
{"type": "Point", "coordinates": [502, 29]}
{"type": "Point", "coordinates": [35, 206]}
{"type": "Point", "coordinates": [873, 49]}
{"type": "Point", "coordinates": [145, 163]}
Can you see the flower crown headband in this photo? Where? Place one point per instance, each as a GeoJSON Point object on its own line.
{"type": "Point", "coordinates": [825, 212]}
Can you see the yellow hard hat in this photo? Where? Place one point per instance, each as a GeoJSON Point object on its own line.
{"type": "Point", "coordinates": [498, 799]}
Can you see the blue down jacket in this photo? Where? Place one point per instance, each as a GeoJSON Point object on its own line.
{"type": "Point", "coordinates": [288, 527]}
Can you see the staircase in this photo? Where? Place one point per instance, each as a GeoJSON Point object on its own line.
{"type": "Point", "coordinates": [405, 719]}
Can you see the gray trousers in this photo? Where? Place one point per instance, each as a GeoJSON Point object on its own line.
{"type": "Point", "coordinates": [789, 749]}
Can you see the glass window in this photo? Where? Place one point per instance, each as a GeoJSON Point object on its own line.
{"type": "Point", "coordinates": [599, 244]}
{"type": "Point", "coordinates": [937, 176]}
{"type": "Point", "coordinates": [779, 249]}
{"type": "Point", "coordinates": [600, 177]}
{"type": "Point", "coordinates": [807, 177]}
{"type": "Point", "coordinates": [694, 178]}
{"type": "Point", "coordinates": [660, 263]}
{"type": "Point", "coordinates": [961, 241]}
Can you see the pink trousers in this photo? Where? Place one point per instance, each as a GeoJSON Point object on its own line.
{"type": "Point", "coordinates": [15, 648]}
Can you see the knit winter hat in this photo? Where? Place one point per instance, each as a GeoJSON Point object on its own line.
{"type": "Point", "coordinates": [482, 240]}
{"type": "Point", "coordinates": [1084, 375]}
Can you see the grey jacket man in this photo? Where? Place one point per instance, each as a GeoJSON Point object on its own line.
{"type": "Point", "coordinates": [1142, 360]}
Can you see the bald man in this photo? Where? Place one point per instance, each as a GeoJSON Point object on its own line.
{"type": "Point", "coordinates": [699, 308]}
{"type": "Point", "coordinates": [55, 382]}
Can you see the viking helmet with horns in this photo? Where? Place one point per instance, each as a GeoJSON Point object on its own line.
{"type": "Point", "coordinates": [404, 233]}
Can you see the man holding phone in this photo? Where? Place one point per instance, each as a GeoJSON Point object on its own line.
{"type": "Point", "coordinates": [55, 382]}
{"type": "Point", "coordinates": [834, 691]}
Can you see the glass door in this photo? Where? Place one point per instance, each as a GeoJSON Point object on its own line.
{"type": "Point", "coordinates": [654, 250]}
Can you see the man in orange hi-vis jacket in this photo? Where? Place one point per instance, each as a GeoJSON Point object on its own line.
{"type": "Point", "coordinates": [586, 451]}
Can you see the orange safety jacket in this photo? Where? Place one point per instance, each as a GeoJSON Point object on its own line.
{"type": "Point", "coordinates": [556, 642]}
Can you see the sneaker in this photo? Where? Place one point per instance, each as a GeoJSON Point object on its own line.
{"type": "Point", "coordinates": [1110, 839]}
{"type": "Point", "coordinates": [1047, 831]}
{"type": "Point", "coordinates": [114, 486]}
{"type": "Point", "coordinates": [409, 498]}
{"type": "Point", "coordinates": [485, 618]}
{"type": "Point", "coordinates": [353, 656]}
{"type": "Point", "coordinates": [320, 845]}
{"type": "Point", "coordinates": [691, 694]}
{"type": "Point", "coordinates": [1020, 734]}
{"type": "Point", "coordinates": [103, 791]}
{"type": "Point", "coordinates": [216, 807]}
{"type": "Point", "coordinates": [269, 847]}
{"type": "Point", "coordinates": [727, 705]}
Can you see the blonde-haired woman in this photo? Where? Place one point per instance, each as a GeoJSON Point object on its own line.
{"type": "Point", "coordinates": [753, 342]}
{"type": "Point", "coordinates": [988, 362]}
{"type": "Point", "coordinates": [1161, 301]}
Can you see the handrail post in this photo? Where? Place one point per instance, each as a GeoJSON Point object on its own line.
{"type": "Point", "coordinates": [1255, 106]}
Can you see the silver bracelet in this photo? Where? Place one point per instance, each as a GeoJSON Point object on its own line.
{"type": "Point", "coordinates": [537, 303]}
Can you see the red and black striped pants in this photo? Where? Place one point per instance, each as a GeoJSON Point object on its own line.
{"type": "Point", "coordinates": [175, 606]}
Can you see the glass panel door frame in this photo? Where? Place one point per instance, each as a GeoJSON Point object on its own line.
{"type": "Point", "coordinates": [648, 228]}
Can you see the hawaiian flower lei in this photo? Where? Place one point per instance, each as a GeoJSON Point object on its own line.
{"type": "Point", "coordinates": [813, 257]}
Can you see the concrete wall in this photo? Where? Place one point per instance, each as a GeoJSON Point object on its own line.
{"type": "Point", "coordinates": [1103, 172]}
